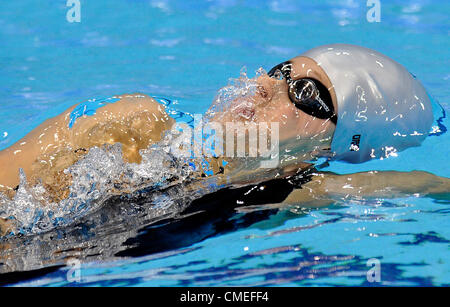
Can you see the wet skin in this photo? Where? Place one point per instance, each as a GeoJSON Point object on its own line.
{"type": "Point", "coordinates": [271, 103]}
{"type": "Point", "coordinates": [137, 120]}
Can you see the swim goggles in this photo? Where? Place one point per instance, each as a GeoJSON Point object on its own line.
{"type": "Point", "coordinates": [307, 94]}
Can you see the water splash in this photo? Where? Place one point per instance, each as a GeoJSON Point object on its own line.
{"type": "Point", "coordinates": [97, 177]}
{"type": "Point", "coordinates": [237, 94]}
{"type": "Point", "coordinates": [102, 173]}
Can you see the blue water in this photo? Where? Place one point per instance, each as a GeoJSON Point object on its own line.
{"type": "Point", "coordinates": [185, 51]}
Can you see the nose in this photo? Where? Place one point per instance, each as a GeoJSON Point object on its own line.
{"type": "Point", "coordinates": [265, 88]}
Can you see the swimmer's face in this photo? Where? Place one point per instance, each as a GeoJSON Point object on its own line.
{"type": "Point", "coordinates": [294, 94]}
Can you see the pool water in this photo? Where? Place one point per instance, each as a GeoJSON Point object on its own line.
{"type": "Point", "coordinates": [185, 51]}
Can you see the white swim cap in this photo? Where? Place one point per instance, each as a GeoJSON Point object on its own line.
{"type": "Point", "coordinates": [382, 108]}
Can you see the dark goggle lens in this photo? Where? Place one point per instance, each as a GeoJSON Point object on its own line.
{"type": "Point", "coordinates": [302, 90]}
{"type": "Point", "coordinates": [308, 95]}
{"type": "Point", "coordinates": [282, 70]}
{"type": "Point", "coordinates": [312, 97]}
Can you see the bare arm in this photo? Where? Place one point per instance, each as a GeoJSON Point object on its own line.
{"type": "Point", "coordinates": [325, 188]}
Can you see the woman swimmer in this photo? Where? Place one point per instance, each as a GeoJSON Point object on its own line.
{"type": "Point", "coordinates": [340, 101]}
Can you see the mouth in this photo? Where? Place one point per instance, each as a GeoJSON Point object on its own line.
{"type": "Point", "coordinates": [239, 100]}
{"type": "Point", "coordinates": [244, 110]}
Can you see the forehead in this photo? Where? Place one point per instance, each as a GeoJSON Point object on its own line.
{"type": "Point", "coordinates": [304, 67]}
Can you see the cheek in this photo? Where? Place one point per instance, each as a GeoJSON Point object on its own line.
{"type": "Point", "coordinates": [285, 114]}
{"type": "Point", "coordinates": [293, 122]}
{"type": "Point", "coordinates": [280, 109]}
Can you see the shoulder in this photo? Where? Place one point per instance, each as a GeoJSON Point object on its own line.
{"type": "Point", "coordinates": [118, 106]}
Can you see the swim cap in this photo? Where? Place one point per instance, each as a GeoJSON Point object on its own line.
{"type": "Point", "coordinates": [382, 108]}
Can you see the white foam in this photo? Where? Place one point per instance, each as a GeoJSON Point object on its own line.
{"type": "Point", "coordinates": [95, 178]}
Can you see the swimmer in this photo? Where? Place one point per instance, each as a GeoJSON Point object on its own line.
{"type": "Point", "coordinates": [133, 120]}
{"type": "Point", "coordinates": [338, 101]}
